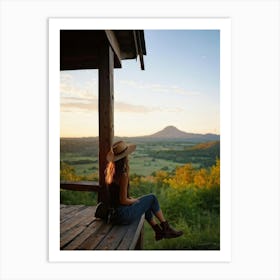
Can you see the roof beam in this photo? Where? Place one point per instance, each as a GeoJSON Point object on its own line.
{"type": "Point", "coordinates": [114, 44]}
{"type": "Point", "coordinates": [138, 47]}
{"type": "Point", "coordinates": [140, 51]}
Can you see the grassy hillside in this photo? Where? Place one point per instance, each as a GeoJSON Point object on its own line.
{"type": "Point", "coordinates": [185, 176]}
{"type": "Point", "coordinates": [82, 154]}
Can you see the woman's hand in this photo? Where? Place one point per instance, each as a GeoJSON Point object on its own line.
{"type": "Point", "coordinates": [133, 200]}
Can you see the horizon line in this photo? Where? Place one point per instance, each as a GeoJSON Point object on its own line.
{"type": "Point", "coordinates": [139, 136]}
{"type": "Point", "coordinates": [147, 135]}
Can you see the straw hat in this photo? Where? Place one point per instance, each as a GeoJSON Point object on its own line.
{"type": "Point", "coordinates": [120, 150]}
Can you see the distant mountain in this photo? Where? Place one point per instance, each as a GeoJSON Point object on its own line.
{"type": "Point", "coordinates": [171, 132]}
{"type": "Point", "coordinates": [166, 134]}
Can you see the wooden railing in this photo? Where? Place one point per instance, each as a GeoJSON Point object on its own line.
{"type": "Point", "coordinates": [86, 186]}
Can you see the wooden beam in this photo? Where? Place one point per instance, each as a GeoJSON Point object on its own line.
{"type": "Point", "coordinates": [140, 51]}
{"type": "Point", "coordinates": [138, 48]}
{"type": "Point", "coordinates": [138, 240]}
{"type": "Point", "coordinates": [135, 42]}
{"type": "Point", "coordinates": [115, 46]}
{"type": "Point", "coordinates": [106, 113]}
{"type": "Point", "coordinates": [86, 186]}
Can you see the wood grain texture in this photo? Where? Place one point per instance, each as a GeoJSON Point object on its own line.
{"type": "Point", "coordinates": [80, 230]}
{"type": "Point", "coordinates": [106, 113]}
{"type": "Point", "coordinates": [91, 229]}
{"type": "Point", "coordinates": [112, 240]}
{"type": "Point", "coordinates": [114, 44]}
{"type": "Point", "coordinates": [83, 217]}
{"type": "Point", "coordinates": [95, 238]}
{"type": "Point", "coordinates": [132, 235]}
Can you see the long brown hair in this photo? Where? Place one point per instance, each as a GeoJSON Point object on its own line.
{"type": "Point", "coordinates": [114, 170]}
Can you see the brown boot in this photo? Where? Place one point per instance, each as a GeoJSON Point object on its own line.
{"type": "Point", "coordinates": [169, 232]}
{"type": "Point", "coordinates": [158, 232]}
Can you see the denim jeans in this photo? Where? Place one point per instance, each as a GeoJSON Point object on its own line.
{"type": "Point", "coordinates": [148, 204]}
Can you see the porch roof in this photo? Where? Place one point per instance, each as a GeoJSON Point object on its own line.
{"type": "Point", "coordinates": [80, 49]}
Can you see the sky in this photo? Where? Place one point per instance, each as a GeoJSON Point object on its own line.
{"type": "Point", "coordinates": [180, 86]}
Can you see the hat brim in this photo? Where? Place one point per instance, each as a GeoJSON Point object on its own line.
{"type": "Point", "coordinates": [130, 149]}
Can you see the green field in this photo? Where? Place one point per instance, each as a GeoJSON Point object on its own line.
{"type": "Point", "coordinates": [184, 176]}
{"type": "Point", "coordinates": [148, 157]}
{"type": "Point", "coordinates": [139, 164]}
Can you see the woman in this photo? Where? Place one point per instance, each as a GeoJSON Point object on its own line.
{"type": "Point", "coordinates": [127, 209]}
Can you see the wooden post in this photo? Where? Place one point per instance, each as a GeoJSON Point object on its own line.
{"type": "Point", "coordinates": [106, 112]}
{"type": "Point", "coordinates": [140, 241]}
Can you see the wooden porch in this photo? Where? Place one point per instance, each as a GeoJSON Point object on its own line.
{"type": "Point", "coordinates": [80, 230]}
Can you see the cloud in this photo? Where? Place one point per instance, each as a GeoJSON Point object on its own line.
{"type": "Point", "coordinates": [172, 110]}
{"type": "Point", "coordinates": [172, 89]}
{"type": "Point", "coordinates": [80, 107]}
{"type": "Point", "coordinates": [69, 89]}
{"type": "Point", "coordinates": [84, 99]}
{"type": "Point", "coordinates": [66, 77]}
{"type": "Point", "coordinates": [90, 105]}
{"type": "Point", "coordinates": [75, 98]}
{"type": "Point", "coordinates": [77, 104]}
{"type": "Point", "coordinates": [131, 108]}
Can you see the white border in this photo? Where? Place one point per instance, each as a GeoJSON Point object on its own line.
{"type": "Point", "coordinates": [224, 254]}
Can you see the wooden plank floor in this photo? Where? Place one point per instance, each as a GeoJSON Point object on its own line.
{"type": "Point", "coordinates": [80, 230]}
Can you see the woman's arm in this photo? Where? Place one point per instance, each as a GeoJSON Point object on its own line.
{"type": "Point", "coordinates": [124, 200]}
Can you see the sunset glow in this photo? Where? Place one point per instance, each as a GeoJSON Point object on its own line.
{"type": "Point", "coordinates": [179, 87]}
